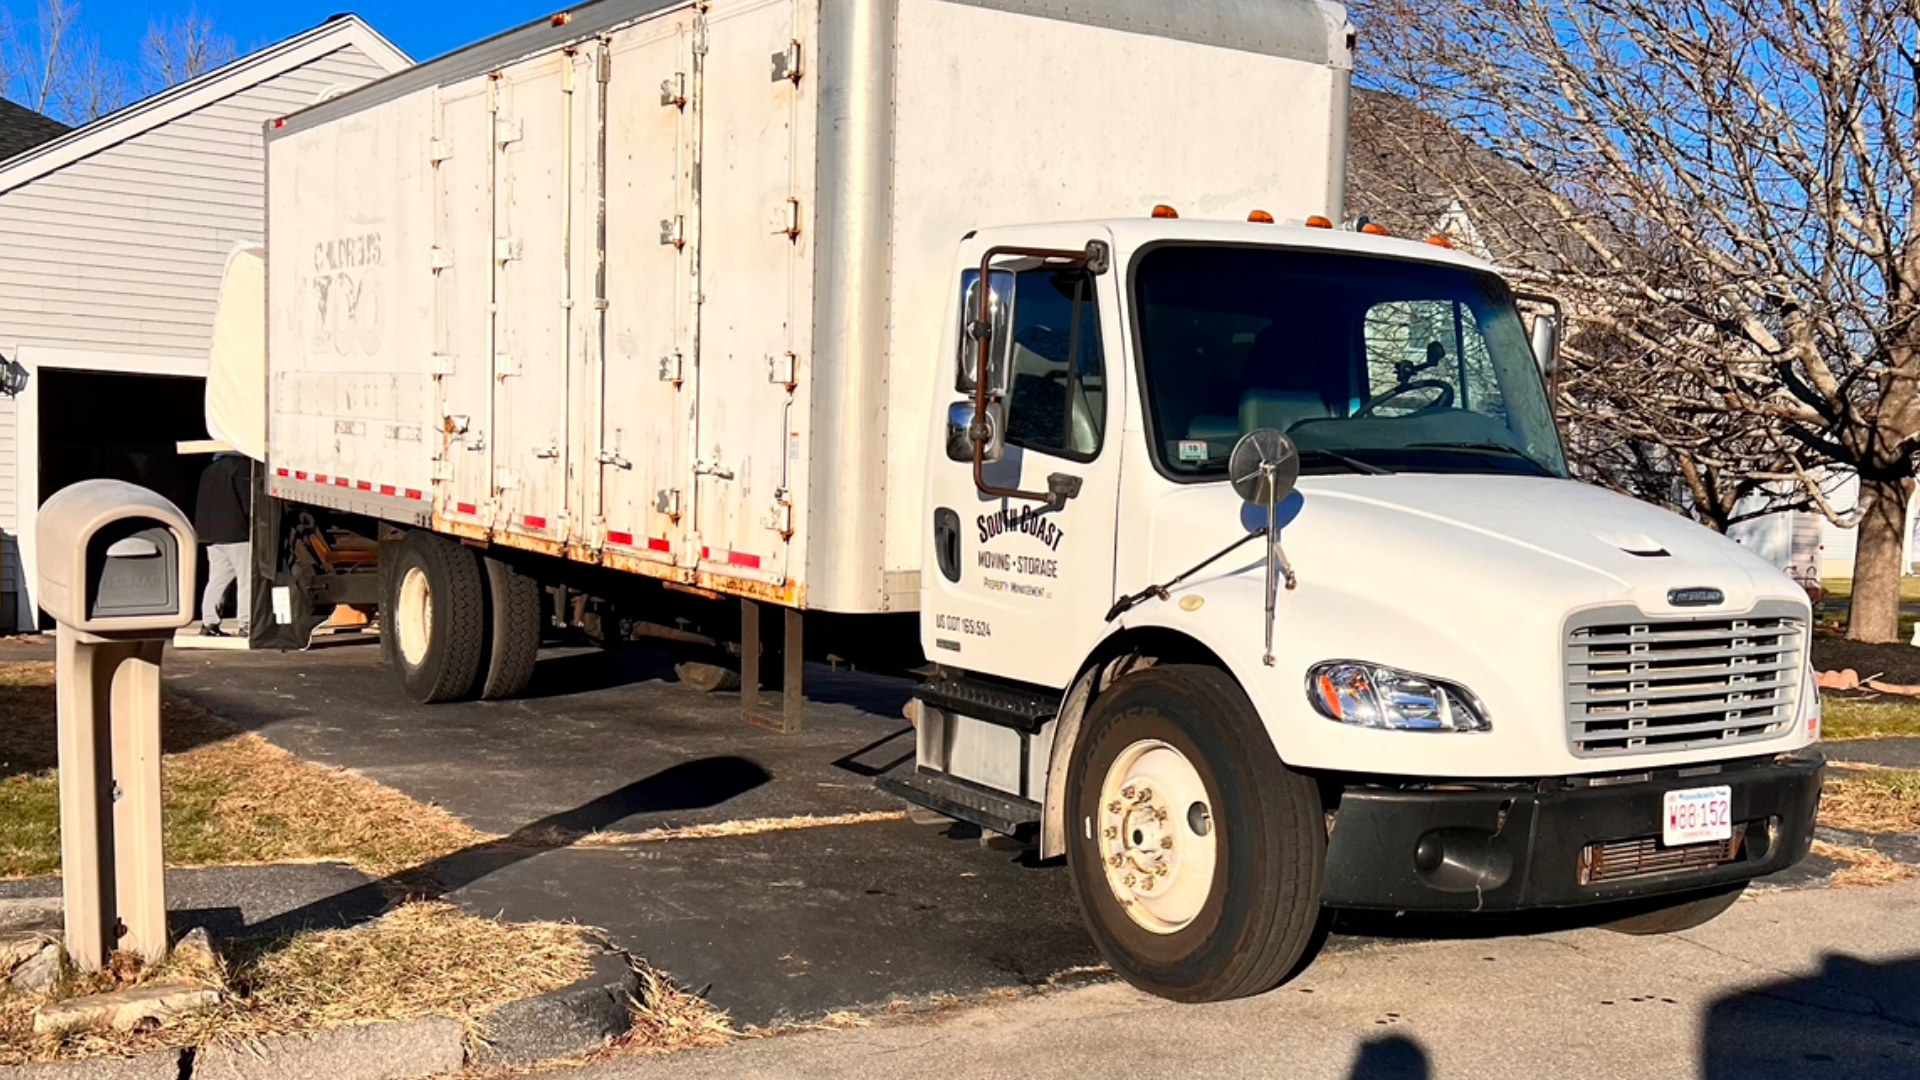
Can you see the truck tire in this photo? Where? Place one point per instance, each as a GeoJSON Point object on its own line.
{"type": "Point", "coordinates": [1175, 782]}
{"type": "Point", "coordinates": [514, 623]}
{"type": "Point", "coordinates": [703, 670]}
{"type": "Point", "coordinates": [1698, 910]}
{"type": "Point", "coordinates": [433, 618]}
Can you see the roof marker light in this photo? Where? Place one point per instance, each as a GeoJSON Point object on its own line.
{"type": "Point", "coordinates": [1374, 228]}
{"type": "Point", "coordinates": [1260, 217]}
{"type": "Point", "coordinates": [1165, 211]}
{"type": "Point", "coordinates": [561, 19]}
{"type": "Point", "coordinates": [1318, 222]}
{"type": "Point", "coordinates": [1437, 240]}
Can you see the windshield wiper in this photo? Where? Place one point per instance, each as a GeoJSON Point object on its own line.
{"type": "Point", "coordinates": [1354, 464]}
{"type": "Point", "coordinates": [1481, 449]}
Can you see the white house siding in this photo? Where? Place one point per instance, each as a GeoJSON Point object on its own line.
{"type": "Point", "coordinates": [115, 259]}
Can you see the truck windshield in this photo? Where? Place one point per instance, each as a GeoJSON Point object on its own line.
{"type": "Point", "coordinates": [1369, 364]}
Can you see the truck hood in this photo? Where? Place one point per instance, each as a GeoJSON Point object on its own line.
{"type": "Point", "coordinates": [1469, 578]}
{"type": "Point", "coordinates": [1554, 538]}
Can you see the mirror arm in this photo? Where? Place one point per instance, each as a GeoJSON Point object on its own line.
{"type": "Point", "coordinates": [1058, 492]}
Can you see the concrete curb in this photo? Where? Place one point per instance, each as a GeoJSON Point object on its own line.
{"type": "Point", "coordinates": [560, 1023]}
{"type": "Point", "coordinates": [571, 1020]}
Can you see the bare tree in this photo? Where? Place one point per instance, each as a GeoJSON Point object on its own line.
{"type": "Point", "coordinates": [1731, 187]}
{"type": "Point", "coordinates": [182, 47]}
{"type": "Point", "coordinates": [53, 66]}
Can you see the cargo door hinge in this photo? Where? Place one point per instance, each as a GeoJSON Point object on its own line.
{"type": "Point", "coordinates": [613, 458]}
{"type": "Point", "coordinates": [673, 231]}
{"type": "Point", "coordinates": [667, 501]}
{"type": "Point", "coordinates": [780, 518]}
{"type": "Point", "coordinates": [507, 131]}
{"type": "Point", "coordinates": [440, 258]}
{"type": "Point", "coordinates": [548, 452]}
{"type": "Point", "coordinates": [671, 369]}
{"type": "Point", "coordinates": [506, 248]}
{"type": "Point", "coordinates": [438, 150]}
{"type": "Point", "coordinates": [790, 219]}
{"type": "Point", "coordinates": [786, 63]}
{"type": "Point", "coordinates": [781, 369]}
{"type": "Point", "coordinates": [673, 90]}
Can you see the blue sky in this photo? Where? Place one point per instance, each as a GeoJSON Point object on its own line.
{"type": "Point", "coordinates": [423, 28]}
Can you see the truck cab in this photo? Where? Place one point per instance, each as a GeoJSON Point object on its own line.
{"type": "Point", "coordinates": [1482, 685]}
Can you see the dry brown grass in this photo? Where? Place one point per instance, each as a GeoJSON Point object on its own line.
{"type": "Point", "coordinates": [1862, 866]}
{"type": "Point", "coordinates": [421, 959]}
{"type": "Point", "coordinates": [1867, 798]}
{"type": "Point", "coordinates": [716, 830]}
{"type": "Point", "coordinates": [227, 797]}
{"type": "Point", "coordinates": [668, 1019]}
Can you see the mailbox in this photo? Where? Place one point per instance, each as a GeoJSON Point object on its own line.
{"type": "Point", "coordinates": [116, 561]}
{"type": "Point", "coordinates": [117, 575]}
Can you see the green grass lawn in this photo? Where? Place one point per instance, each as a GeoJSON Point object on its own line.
{"type": "Point", "coordinates": [1842, 589]}
{"type": "Point", "coordinates": [1868, 718]}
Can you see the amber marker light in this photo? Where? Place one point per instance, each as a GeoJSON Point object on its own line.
{"type": "Point", "coordinates": [1260, 217]}
{"type": "Point", "coordinates": [1318, 222]}
{"type": "Point", "coordinates": [1165, 211]}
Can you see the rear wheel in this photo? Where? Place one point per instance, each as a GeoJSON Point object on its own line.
{"type": "Point", "coordinates": [514, 624]}
{"type": "Point", "coordinates": [1684, 915]}
{"type": "Point", "coordinates": [433, 621]}
{"type": "Point", "coordinates": [1196, 854]}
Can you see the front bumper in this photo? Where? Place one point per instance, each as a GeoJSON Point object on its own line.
{"type": "Point", "coordinates": [1560, 842]}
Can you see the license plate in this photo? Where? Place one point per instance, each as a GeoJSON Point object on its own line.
{"type": "Point", "coordinates": [1697, 816]}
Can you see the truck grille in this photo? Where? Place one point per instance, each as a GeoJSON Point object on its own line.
{"type": "Point", "coordinates": [1637, 684]}
{"type": "Point", "coordinates": [1618, 860]}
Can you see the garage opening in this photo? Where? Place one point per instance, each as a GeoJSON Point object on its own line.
{"type": "Point", "coordinates": [102, 425]}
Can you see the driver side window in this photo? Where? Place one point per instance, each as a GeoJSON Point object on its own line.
{"type": "Point", "coordinates": [1415, 342]}
{"type": "Point", "coordinates": [1056, 398]}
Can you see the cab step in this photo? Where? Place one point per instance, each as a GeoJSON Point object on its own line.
{"type": "Point", "coordinates": [1003, 706]}
{"type": "Point", "coordinates": [968, 802]}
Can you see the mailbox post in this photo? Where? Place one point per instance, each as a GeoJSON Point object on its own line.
{"type": "Point", "coordinates": [117, 575]}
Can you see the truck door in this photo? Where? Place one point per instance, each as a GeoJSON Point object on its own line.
{"type": "Point", "coordinates": [463, 284]}
{"type": "Point", "coordinates": [640, 446]}
{"type": "Point", "coordinates": [1011, 587]}
{"type": "Point", "coordinates": [535, 351]}
{"type": "Point", "coordinates": [750, 253]}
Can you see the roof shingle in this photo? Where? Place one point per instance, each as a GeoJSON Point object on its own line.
{"type": "Point", "coordinates": [23, 129]}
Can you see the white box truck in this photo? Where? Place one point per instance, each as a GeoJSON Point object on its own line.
{"type": "Point", "coordinates": [960, 334]}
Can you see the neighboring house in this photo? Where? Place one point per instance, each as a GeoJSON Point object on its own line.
{"type": "Point", "coordinates": [22, 129]}
{"type": "Point", "coordinates": [113, 237]}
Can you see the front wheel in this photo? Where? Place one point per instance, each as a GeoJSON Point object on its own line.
{"type": "Point", "coordinates": [1196, 854]}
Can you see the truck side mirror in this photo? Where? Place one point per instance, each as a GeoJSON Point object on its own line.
{"type": "Point", "coordinates": [997, 331]}
{"type": "Point", "coordinates": [960, 432]}
{"type": "Point", "coordinates": [1546, 344]}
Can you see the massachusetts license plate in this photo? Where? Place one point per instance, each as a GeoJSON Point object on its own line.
{"type": "Point", "coordinates": [1697, 816]}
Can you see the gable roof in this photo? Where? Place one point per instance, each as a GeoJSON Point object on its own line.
{"type": "Point", "coordinates": [23, 129]}
{"type": "Point", "coordinates": [177, 101]}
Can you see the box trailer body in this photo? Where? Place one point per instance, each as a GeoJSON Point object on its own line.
{"type": "Point", "coordinates": [1240, 559]}
{"type": "Point", "coordinates": [662, 287]}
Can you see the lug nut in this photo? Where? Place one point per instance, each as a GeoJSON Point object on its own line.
{"type": "Point", "coordinates": [1127, 792]}
{"type": "Point", "coordinates": [1160, 870]}
{"type": "Point", "coordinates": [1146, 794]}
{"type": "Point", "coordinates": [1128, 881]}
{"type": "Point", "coordinates": [1114, 807]}
{"type": "Point", "coordinates": [1110, 832]}
{"type": "Point", "coordinates": [1166, 842]}
{"type": "Point", "coordinates": [1146, 884]}
{"type": "Point", "coordinates": [1114, 861]}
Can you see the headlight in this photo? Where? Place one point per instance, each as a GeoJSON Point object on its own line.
{"type": "Point", "coordinates": [1368, 695]}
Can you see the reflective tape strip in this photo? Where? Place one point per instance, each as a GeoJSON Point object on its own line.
{"type": "Point", "coordinates": [339, 481]}
{"type": "Point", "coordinates": [465, 508]}
{"type": "Point", "coordinates": [620, 538]}
{"type": "Point", "coordinates": [414, 493]}
{"type": "Point", "coordinates": [280, 472]}
{"type": "Point", "coordinates": [364, 485]}
{"type": "Point", "coordinates": [389, 489]}
{"type": "Point", "coordinates": [654, 543]}
{"type": "Point", "coordinates": [533, 522]}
